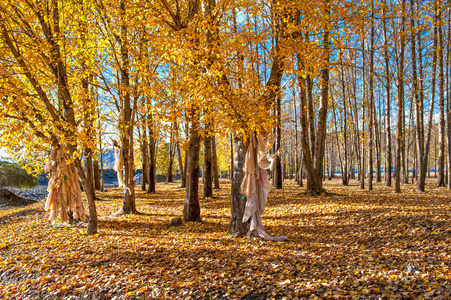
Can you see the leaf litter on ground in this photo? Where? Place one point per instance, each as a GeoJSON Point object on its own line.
{"type": "Point", "coordinates": [350, 244]}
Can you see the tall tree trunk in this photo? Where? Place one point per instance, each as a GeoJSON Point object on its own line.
{"type": "Point", "coordinates": [362, 178]}
{"type": "Point", "coordinates": [208, 166]}
{"type": "Point", "coordinates": [277, 180]}
{"type": "Point", "coordinates": [96, 174]}
{"type": "Point", "coordinates": [296, 148]}
{"type": "Point", "coordinates": [400, 80]}
{"type": "Point", "coordinates": [191, 209]}
{"type": "Point", "coordinates": [448, 97]}
{"type": "Point", "coordinates": [144, 156]}
{"type": "Point", "coordinates": [231, 158]}
{"type": "Point", "coordinates": [181, 168]}
{"type": "Point", "coordinates": [87, 186]}
{"type": "Point", "coordinates": [215, 163]}
{"type": "Point", "coordinates": [152, 156]}
{"type": "Point", "coordinates": [441, 101]}
{"type": "Point", "coordinates": [344, 177]}
{"type": "Point", "coordinates": [416, 98]}
{"type": "Point", "coordinates": [237, 201]}
{"type": "Point", "coordinates": [128, 205]}
{"type": "Point", "coordinates": [371, 104]}
{"type": "Point", "coordinates": [422, 145]}
{"type": "Point", "coordinates": [102, 185]}
{"type": "Point", "coordinates": [171, 154]}
{"type": "Point", "coordinates": [388, 152]}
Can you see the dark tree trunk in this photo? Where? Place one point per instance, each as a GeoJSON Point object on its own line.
{"type": "Point", "coordinates": [89, 169]}
{"type": "Point", "coordinates": [388, 152]}
{"type": "Point", "coordinates": [191, 209]}
{"type": "Point", "coordinates": [362, 167]}
{"type": "Point", "coordinates": [231, 158]}
{"type": "Point", "coordinates": [152, 158]}
{"type": "Point", "coordinates": [171, 162]}
{"type": "Point", "coordinates": [96, 174]}
{"type": "Point", "coordinates": [208, 166]}
{"type": "Point", "coordinates": [448, 110]}
{"type": "Point", "coordinates": [277, 180]}
{"type": "Point", "coordinates": [88, 186]}
{"type": "Point", "coordinates": [422, 145]}
{"type": "Point", "coordinates": [371, 104]}
{"type": "Point", "coordinates": [215, 163]}
{"type": "Point", "coordinates": [186, 155]}
{"type": "Point", "coordinates": [400, 132]}
{"type": "Point", "coordinates": [238, 203]}
{"type": "Point", "coordinates": [145, 157]}
{"type": "Point", "coordinates": [441, 102]}
{"type": "Point", "coordinates": [181, 168]}
{"type": "Point", "coordinates": [344, 175]}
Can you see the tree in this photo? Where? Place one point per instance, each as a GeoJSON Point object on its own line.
{"type": "Point", "coordinates": [45, 105]}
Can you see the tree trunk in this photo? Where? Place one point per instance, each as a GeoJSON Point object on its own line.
{"type": "Point", "coordinates": [400, 102]}
{"type": "Point", "coordinates": [362, 177]}
{"type": "Point", "coordinates": [448, 96]}
{"type": "Point", "coordinates": [441, 102]}
{"type": "Point", "coordinates": [128, 205]}
{"type": "Point", "coordinates": [144, 157]}
{"type": "Point", "coordinates": [277, 180]}
{"type": "Point", "coordinates": [215, 163]}
{"type": "Point", "coordinates": [237, 201]}
{"type": "Point", "coordinates": [181, 168]}
{"type": "Point", "coordinates": [96, 174]}
{"type": "Point", "coordinates": [208, 166]}
{"type": "Point", "coordinates": [344, 175]}
{"type": "Point", "coordinates": [388, 152]}
{"type": "Point", "coordinates": [371, 104]}
{"type": "Point", "coordinates": [152, 158]}
{"type": "Point", "coordinates": [88, 186]}
{"type": "Point", "coordinates": [231, 158]}
{"type": "Point", "coordinates": [191, 209]}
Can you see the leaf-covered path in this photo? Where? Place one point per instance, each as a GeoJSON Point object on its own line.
{"type": "Point", "coordinates": [349, 245]}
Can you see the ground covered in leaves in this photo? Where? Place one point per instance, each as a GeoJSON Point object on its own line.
{"type": "Point", "coordinates": [350, 244]}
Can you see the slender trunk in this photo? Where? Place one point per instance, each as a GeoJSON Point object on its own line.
{"type": "Point", "coordinates": [388, 152]}
{"type": "Point", "coordinates": [231, 158]}
{"type": "Point", "coordinates": [371, 105]}
{"type": "Point", "coordinates": [180, 160]}
{"type": "Point", "coordinates": [152, 157]}
{"type": "Point", "coordinates": [87, 186]}
{"type": "Point", "coordinates": [215, 163]}
{"type": "Point", "coordinates": [400, 101]}
{"type": "Point", "coordinates": [277, 180]}
{"type": "Point", "coordinates": [441, 102]}
{"type": "Point", "coordinates": [362, 178]}
{"type": "Point", "coordinates": [171, 155]}
{"type": "Point", "coordinates": [96, 174]}
{"type": "Point", "coordinates": [344, 176]}
{"type": "Point", "coordinates": [144, 157]}
{"type": "Point", "coordinates": [208, 166]}
{"type": "Point", "coordinates": [186, 153]}
{"type": "Point", "coordinates": [102, 186]}
{"type": "Point", "coordinates": [448, 97]}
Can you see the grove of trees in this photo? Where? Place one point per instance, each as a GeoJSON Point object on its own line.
{"type": "Point", "coordinates": [356, 87]}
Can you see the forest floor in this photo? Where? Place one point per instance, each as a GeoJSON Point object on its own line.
{"type": "Point", "coordinates": [350, 244]}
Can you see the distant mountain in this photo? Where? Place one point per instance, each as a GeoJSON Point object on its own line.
{"type": "Point", "coordinates": [108, 158]}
